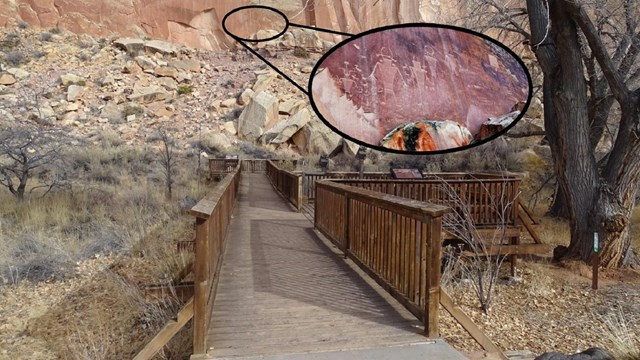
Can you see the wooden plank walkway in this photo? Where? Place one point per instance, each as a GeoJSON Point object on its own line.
{"type": "Point", "coordinates": [283, 290]}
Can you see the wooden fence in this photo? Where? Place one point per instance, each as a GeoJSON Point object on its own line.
{"type": "Point", "coordinates": [287, 183]}
{"type": "Point", "coordinates": [395, 240]}
{"type": "Point", "coordinates": [213, 214]}
{"type": "Point", "coordinates": [490, 199]}
{"type": "Point", "coordinates": [254, 165]}
{"type": "Point", "coordinates": [309, 179]}
{"type": "Point", "coordinates": [222, 166]}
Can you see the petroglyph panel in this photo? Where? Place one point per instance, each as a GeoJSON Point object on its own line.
{"type": "Point", "coordinates": [370, 86]}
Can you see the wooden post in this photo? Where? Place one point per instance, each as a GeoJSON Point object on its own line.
{"type": "Point", "coordinates": [434, 254]}
{"type": "Point", "coordinates": [299, 188]}
{"type": "Point", "coordinates": [200, 287]}
{"type": "Point", "coordinates": [347, 218]}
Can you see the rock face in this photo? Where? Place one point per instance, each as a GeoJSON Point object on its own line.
{"type": "Point", "coordinates": [198, 23]}
{"type": "Point", "coordinates": [495, 125]}
{"type": "Point", "coordinates": [380, 81]}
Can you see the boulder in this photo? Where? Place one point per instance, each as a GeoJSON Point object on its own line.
{"type": "Point", "coordinates": [283, 131]}
{"type": "Point", "coordinates": [166, 71]}
{"type": "Point", "coordinates": [18, 73]}
{"type": "Point", "coordinates": [186, 65]}
{"type": "Point", "coordinates": [262, 110]}
{"type": "Point", "coordinates": [228, 103]}
{"type": "Point", "coordinates": [316, 138]}
{"type": "Point", "coordinates": [264, 80]}
{"type": "Point", "coordinates": [536, 109]}
{"type": "Point", "coordinates": [130, 45]}
{"type": "Point", "coordinates": [145, 62]}
{"type": "Point", "coordinates": [74, 92]}
{"type": "Point", "coordinates": [291, 106]}
{"type": "Point", "coordinates": [68, 79]}
{"type": "Point", "coordinates": [217, 141]}
{"type": "Point", "coordinates": [7, 79]}
{"type": "Point", "coordinates": [149, 94]}
{"type": "Point", "coordinates": [428, 135]}
{"type": "Point", "coordinates": [496, 125]}
{"type": "Point", "coordinates": [168, 83]}
{"type": "Point", "coordinates": [230, 127]}
{"type": "Point", "coordinates": [160, 46]}
{"type": "Point", "coordinates": [111, 112]}
{"type": "Point", "coordinates": [245, 97]}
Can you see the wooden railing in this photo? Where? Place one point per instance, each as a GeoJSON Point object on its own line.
{"type": "Point", "coordinates": [287, 183]}
{"type": "Point", "coordinates": [254, 165]}
{"type": "Point", "coordinates": [489, 199]}
{"type": "Point", "coordinates": [213, 214]}
{"type": "Point", "coordinates": [309, 179]}
{"type": "Point", "coordinates": [395, 240]}
{"type": "Point", "coordinates": [222, 166]}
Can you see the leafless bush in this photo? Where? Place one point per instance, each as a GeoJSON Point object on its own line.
{"type": "Point", "coordinates": [480, 267]}
{"type": "Point", "coordinates": [29, 152]}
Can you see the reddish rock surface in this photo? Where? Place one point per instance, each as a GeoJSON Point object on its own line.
{"type": "Point", "coordinates": [197, 23]}
{"type": "Point", "coordinates": [377, 82]}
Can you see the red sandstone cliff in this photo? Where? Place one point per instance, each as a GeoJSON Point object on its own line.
{"type": "Point", "coordinates": [196, 23]}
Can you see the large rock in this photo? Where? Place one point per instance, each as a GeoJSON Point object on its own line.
{"type": "Point", "coordinates": [186, 65]}
{"type": "Point", "coordinates": [316, 138]}
{"type": "Point", "coordinates": [245, 96]}
{"type": "Point", "coordinates": [74, 92]}
{"type": "Point", "coordinates": [18, 73]}
{"type": "Point", "coordinates": [291, 106]}
{"type": "Point", "coordinates": [264, 80]}
{"type": "Point", "coordinates": [284, 130]}
{"type": "Point", "coordinates": [536, 109]}
{"type": "Point", "coordinates": [428, 135]}
{"type": "Point", "coordinates": [68, 79]}
{"type": "Point", "coordinates": [112, 112]}
{"type": "Point", "coordinates": [149, 94]}
{"type": "Point", "coordinates": [7, 79]}
{"type": "Point", "coordinates": [145, 62]}
{"type": "Point", "coordinates": [496, 125]}
{"type": "Point", "coordinates": [161, 47]}
{"type": "Point", "coordinates": [130, 45]}
{"type": "Point", "coordinates": [261, 111]}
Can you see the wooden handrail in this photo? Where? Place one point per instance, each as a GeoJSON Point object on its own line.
{"type": "Point", "coordinates": [397, 241]}
{"type": "Point", "coordinates": [213, 214]}
{"type": "Point", "coordinates": [287, 183]}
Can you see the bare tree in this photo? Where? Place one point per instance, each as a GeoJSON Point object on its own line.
{"type": "Point", "coordinates": [588, 52]}
{"type": "Point", "coordinates": [167, 160]}
{"type": "Point", "coordinates": [32, 153]}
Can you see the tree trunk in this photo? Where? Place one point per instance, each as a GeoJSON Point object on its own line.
{"type": "Point", "coordinates": [559, 206]}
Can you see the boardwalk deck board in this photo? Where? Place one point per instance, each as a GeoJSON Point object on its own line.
{"type": "Point", "coordinates": [283, 290]}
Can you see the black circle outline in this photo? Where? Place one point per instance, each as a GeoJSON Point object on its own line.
{"type": "Point", "coordinates": [456, 149]}
{"type": "Point", "coordinates": [263, 7]}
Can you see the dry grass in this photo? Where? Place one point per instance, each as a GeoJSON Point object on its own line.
{"type": "Point", "coordinates": [625, 342]}
{"type": "Point", "coordinates": [127, 226]}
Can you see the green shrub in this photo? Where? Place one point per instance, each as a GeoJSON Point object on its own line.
{"type": "Point", "coordinates": [185, 89]}
{"type": "Point", "coordinates": [300, 52]}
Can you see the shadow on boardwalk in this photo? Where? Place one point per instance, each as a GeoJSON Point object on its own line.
{"type": "Point", "coordinates": [283, 290]}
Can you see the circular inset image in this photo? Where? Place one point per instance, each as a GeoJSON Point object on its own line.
{"type": "Point", "coordinates": [420, 88]}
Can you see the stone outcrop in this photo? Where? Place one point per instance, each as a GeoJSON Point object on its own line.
{"type": "Point", "coordinates": [427, 136]}
{"type": "Point", "coordinates": [261, 111]}
{"type": "Point", "coordinates": [284, 130]}
{"type": "Point", "coordinates": [496, 125]}
{"type": "Point", "coordinates": [198, 23]}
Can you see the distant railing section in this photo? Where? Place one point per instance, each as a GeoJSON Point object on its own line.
{"type": "Point", "coordinates": [213, 214]}
{"type": "Point", "coordinates": [489, 199]}
{"type": "Point", "coordinates": [222, 166]}
{"type": "Point", "coordinates": [287, 183]}
{"type": "Point", "coordinates": [395, 240]}
{"type": "Point", "coordinates": [309, 179]}
{"type": "Point", "coordinates": [254, 165]}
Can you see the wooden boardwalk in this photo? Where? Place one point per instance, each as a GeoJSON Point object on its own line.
{"type": "Point", "coordinates": [283, 290]}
